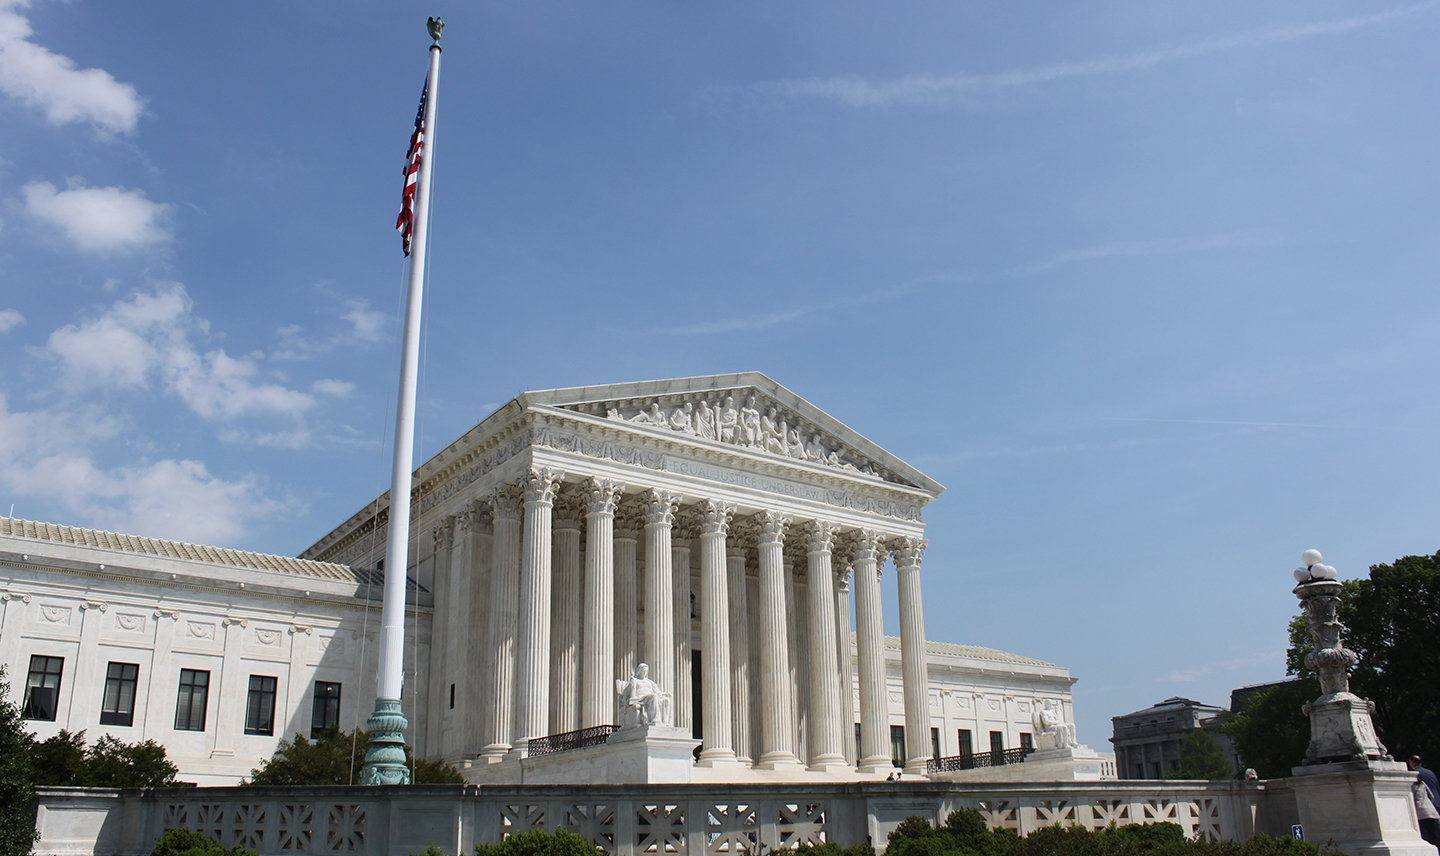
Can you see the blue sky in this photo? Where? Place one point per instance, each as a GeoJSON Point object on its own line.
{"type": "Point", "coordinates": [1149, 286]}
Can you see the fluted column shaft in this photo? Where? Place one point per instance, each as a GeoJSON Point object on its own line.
{"type": "Point", "coordinates": [504, 619]}
{"type": "Point", "coordinates": [912, 653]}
{"type": "Point", "coordinates": [533, 655]}
{"type": "Point", "coordinates": [869, 626]}
{"type": "Point", "coordinates": [844, 669]}
{"type": "Point", "coordinates": [739, 608]}
{"type": "Point", "coordinates": [716, 748]}
{"type": "Point", "coordinates": [826, 734]}
{"type": "Point", "coordinates": [627, 602]}
{"type": "Point", "coordinates": [777, 711]}
{"type": "Point", "coordinates": [440, 631]}
{"type": "Point", "coordinates": [681, 536]}
{"type": "Point", "coordinates": [660, 507]}
{"type": "Point", "coordinates": [565, 626]}
{"type": "Point", "coordinates": [597, 696]}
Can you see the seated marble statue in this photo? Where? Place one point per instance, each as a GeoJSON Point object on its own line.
{"type": "Point", "coordinates": [1051, 731]}
{"type": "Point", "coordinates": [642, 702]}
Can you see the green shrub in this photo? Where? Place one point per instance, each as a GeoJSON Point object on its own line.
{"type": "Point", "coordinates": [540, 842]}
{"type": "Point", "coordinates": [17, 778]}
{"type": "Point", "coordinates": [335, 758]}
{"type": "Point", "coordinates": [177, 841]}
{"type": "Point", "coordinates": [63, 760]}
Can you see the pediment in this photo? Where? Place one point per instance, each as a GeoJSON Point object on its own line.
{"type": "Point", "coordinates": [747, 411]}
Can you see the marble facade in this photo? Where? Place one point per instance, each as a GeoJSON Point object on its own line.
{"type": "Point", "coordinates": [720, 529]}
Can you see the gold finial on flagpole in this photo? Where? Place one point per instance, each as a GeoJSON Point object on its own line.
{"type": "Point", "coordinates": [435, 25]}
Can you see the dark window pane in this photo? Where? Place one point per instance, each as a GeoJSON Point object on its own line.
{"type": "Point", "coordinates": [191, 704]}
{"type": "Point", "coordinates": [897, 745]}
{"type": "Point", "coordinates": [934, 743]}
{"type": "Point", "coordinates": [326, 711]}
{"type": "Point", "coordinates": [997, 747]}
{"type": "Point", "coordinates": [1026, 741]}
{"type": "Point", "coordinates": [260, 706]}
{"type": "Point", "coordinates": [966, 747]}
{"type": "Point", "coordinates": [42, 688]}
{"type": "Point", "coordinates": [118, 707]}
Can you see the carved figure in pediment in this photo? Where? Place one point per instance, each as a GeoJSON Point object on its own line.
{"type": "Point", "coordinates": [612, 412]}
{"type": "Point", "coordinates": [795, 447]}
{"type": "Point", "coordinates": [750, 424]}
{"type": "Point", "coordinates": [727, 420]}
{"type": "Point", "coordinates": [814, 451]}
{"type": "Point", "coordinates": [652, 416]}
{"type": "Point", "coordinates": [705, 421]}
{"type": "Point", "coordinates": [682, 419]}
{"type": "Point", "coordinates": [772, 432]}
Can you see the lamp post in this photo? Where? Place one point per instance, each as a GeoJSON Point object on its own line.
{"type": "Point", "coordinates": [1341, 728]}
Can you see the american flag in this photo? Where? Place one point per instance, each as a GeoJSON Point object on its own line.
{"type": "Point", "coordinates": [412, 171]}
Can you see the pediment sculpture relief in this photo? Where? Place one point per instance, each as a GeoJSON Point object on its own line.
{"type": "Point", "coordinates": [745, 426]}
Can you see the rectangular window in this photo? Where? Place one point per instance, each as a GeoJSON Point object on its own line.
{"type": "Point", "coordinates": [42, 688]}
{"type": "Point", "coordinates": [452, 696]}
{"type": "Point", "coordinates": [897, 745]}
{"type": "Point", "coordinates": [935, 743]}
{"type": "Point", "coordinates": [1026, 742]}
{"type": "Point", "coordinates": [260, 706]}
{"type": "Point", "coordinates": [118, 708]}
{"type": "Point", "coordinates": [326, 712]}
{"type": "Point", "coordinates": [192, 701]}
{"type": "Point", "coordinates": [858, 753]}
{"type": "Point", "coordinates": [966, 747]}
{"type": "Point", "coordinates": [997, 748]}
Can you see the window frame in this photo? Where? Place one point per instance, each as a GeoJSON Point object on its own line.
{"type": "Point", "coordinates": [260, 706]}
{"type": "Point", "coordinates": [897, 745]}
{"type": "Point", "coordinates": [123, 712]}
{"type": "Point", "coordinates": [185, 701]}
{"type": "Point", "coordinates": [321, 705]}
{"type": "Point", "coordinates": [44, 674]}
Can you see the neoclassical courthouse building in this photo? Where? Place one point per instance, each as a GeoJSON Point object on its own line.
{"type": "Point", "coordinates": [718, 529]}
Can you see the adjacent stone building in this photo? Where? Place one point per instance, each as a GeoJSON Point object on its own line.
{"type": "Point", "coordinates": [1147, 742]}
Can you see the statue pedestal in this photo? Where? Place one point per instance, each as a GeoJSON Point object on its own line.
{"type": "Point", "coordinates": [1365, 807]}
{"type": "Point", "coordinates": [635, 755]}
{"type": "Point", "coordinates": [1341, 730]}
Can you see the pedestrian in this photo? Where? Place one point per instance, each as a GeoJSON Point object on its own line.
{"type": "Point", "coordinates": [1426, 792]}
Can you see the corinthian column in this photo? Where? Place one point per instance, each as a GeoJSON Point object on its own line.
{"type": "Point", "coordinates": [739, 612]}
{"type": "Point", "coordinates": [715, 635]}
{"type": "Point", "coordinates": [533, 654]}
{"type": "Point", "coordinates": [504, 618]}
{"type": "Point", "coordinates": [628, 520]}
{"type": "Point", "coordinates": [777, 712]}
{"type": "Point", "coordinates": [844, 668]}
{"type": "Point", "coordinates": [597, 698]}
{"type": "Point", "coordinates": [826, 727]}
{"type": "Point", "coordinates": [565, 617]}
{"type": "Point", "coordinates": [686, 530]}
{"type": "Point", "coordinates": [869, 626]}
{"type": "Point", "coordinates": [660, 506]}
{"type": "Point", "coordinates": [907, 552]}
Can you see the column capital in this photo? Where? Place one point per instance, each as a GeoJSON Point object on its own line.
{"type": "Point", "coordinates": [820, 536]}
{"type": "Point", "coordinates": [444, 533]}
{"type": "Point", "coordinates": [865, 544]}
{"type": "Point", "coordinates": [477, 518]}
{"type": "Point", "coordinates": [907, 551]}
{"type": "Point", "coordinates": [770, 527]}
{"type": "Point", "coordinates": [541, 484]}
{"type": "Point", "coordinates": [95, 604]}
{"type": "Point", "coordinates": [715, 516]}
{"type": "Point", "coordinates": [660, 506]}
{"type": "Point", "coordinates": [629, 518]}
{"type": "Point", "coordinates": [505, 500]}
{"type": "Point", "coordinates": [569, 509]}
{"type": "Point", "coordinates": [686, 526]}
{"type": "Point", "coordinates": [601, 495]}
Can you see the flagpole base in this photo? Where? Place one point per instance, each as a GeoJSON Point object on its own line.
{"type": "Point", "coordinates": [385, 754]}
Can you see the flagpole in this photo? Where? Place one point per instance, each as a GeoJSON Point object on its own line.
{"type": "Point", "coordinates": [385, 755]}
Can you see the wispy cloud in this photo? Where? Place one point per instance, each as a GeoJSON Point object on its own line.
{"type": "Point", "coordinates": [770, 319]}
{"type": "Point", "coordinates": [952, 89]}
{"type": "Point", "coordinates": [1157, 247]}
{"type": "Point", "coordinates": [100, 219]}
{"type": "Point", "coordinates": [1214, 422]}
{"type": "Point", "coordinates": [1189, 675]}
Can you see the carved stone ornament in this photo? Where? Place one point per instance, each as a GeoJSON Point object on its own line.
{"type": "Point", "coordinates": [569, 510]}
{"type": "Point", "coordinates": [744, 423]}
{"type": "Point", "coordinates": [660, 506]}
{"type": "Point", "coordinates": [866, 545]}
{"type": "Point", "coordinates": [1342, 724]}
{"type": "Point", "coordinates": [444, 534]}
{"type": "Point", "coordinates": [541, 485]}
{"type": "Point", "coordinates": [1050, 728]}
{"type": "Point", "coordinates": [642, 701]}
{"type": "Point", "coordinates": [770, 527]}
{"type": "Point", "coordinates": [686, 527]}
{"type": "Point", "coordinates": [506, 500]}
{"type": "Point", "coordinates": [200, 630]}
{"type": "Point", "coordinates": [601, 495]}
{"type": "Point", "coordinates": [715, 516]}
{"type": "Point", "coordinates": [629, 518]}
{"type": "Point", "coordinates": [14, 595]}
{"type": "Point", "coordinates": [130, 622]}
{"type": "Point", "coordinates": [55, 614]}
{"type": "Point", "coordinates": [907, 551]}
{"type": "Point", "coordinates": [819, 536]}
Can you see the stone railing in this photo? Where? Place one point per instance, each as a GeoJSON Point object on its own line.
{"type": "Point", "coordinates": [625, 820]}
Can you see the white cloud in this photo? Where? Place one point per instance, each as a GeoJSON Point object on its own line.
{"type": "Point", "coordinates": [369, 325]}
{"type": "Point", "coordinates": [51, 82]}
{"type": "Point", "coordinates": [1132, 249]}
{"type": "Point", "coordinates": [100, 219]}
{"type": "Point", "coordinates": [10, 319]}
{"type": "Point", "coordinates": [946, 90]}
{"type": "Point", "coordinates": [147, 337]}
{"type": "Point", "coordinates": [334, 388]}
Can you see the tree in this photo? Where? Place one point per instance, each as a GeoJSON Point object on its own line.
{"type": "Point", "coordinates": [177, 841]}
{"type": "Point", "coordinates": [540, 842]}
{"type": "Point", "coordinates": [17, 784]}
{"type": "Point", "coordinates": [64, 761]}
{"type": "Point", "coordinates": [335, 758]}
{"type": "Point", "coordinates": [1271, 732]}
{"type": "Point", "coordinates": [1201, 758]}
